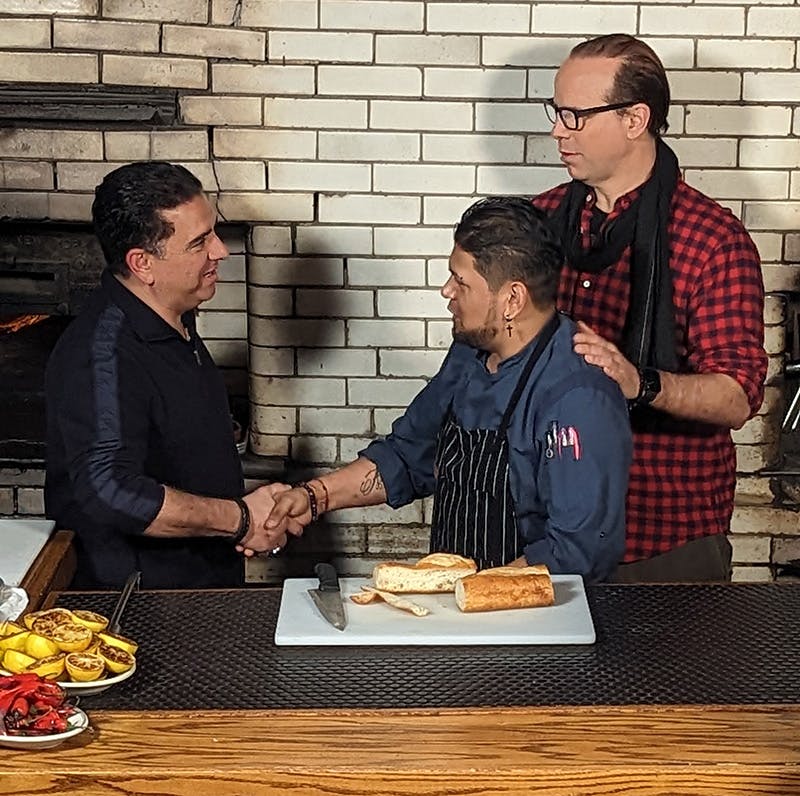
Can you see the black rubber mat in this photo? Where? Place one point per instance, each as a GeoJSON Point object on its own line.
{"type": "Point", "coordinates": [737, 644]}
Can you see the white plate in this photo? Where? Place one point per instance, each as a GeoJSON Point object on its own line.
{"type": "Point", "coordinates": [97, 686]}
{"type": "Point", "coordinates": [92, 687]}
{"type": "Point", "coordinates": [78, 722]}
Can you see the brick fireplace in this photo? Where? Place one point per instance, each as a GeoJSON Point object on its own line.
{"type": "Point", "coordinates": [341, 140]}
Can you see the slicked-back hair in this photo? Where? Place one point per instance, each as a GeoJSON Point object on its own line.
{"type": "Point", "coordinates": [640, 77]}
{"type": "Point", "coordinates": [511, 240]}
{"type": "Point", "coordinates": [127, 208]}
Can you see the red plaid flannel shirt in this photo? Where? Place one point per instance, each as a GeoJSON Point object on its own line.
{"type": "Point", "coordinates": [683, 473]}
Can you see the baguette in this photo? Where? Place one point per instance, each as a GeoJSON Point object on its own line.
{"type": "Point", "coordinates": [435, 573]}
{"type": "Point", "coordinates": [491, 590]}
{"type": "Point", "coordinates": [531, 569]}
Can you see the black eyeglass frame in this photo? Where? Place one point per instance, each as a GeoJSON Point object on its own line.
{"type": "Point", "coordinates": [580, 113]}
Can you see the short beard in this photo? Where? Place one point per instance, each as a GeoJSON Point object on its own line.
{"type": "Point", "coordinates": [481, 337]}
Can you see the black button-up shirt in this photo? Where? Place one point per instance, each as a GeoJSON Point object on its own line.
{"type": "Point", "coordinates": [131, 407]}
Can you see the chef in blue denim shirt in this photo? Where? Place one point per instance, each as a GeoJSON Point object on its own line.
{"type": "Point", "coordinates": [525, 446]}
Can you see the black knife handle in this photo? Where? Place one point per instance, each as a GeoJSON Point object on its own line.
{"type": "Point", "coordinates": [328, 579]}
{"type": "Point", "coordinates": [131, 584]}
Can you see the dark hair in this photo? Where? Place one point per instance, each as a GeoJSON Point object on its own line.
{"type": "Point", "coordinates": [640, 76]}
{"type": "Point", "coordinates": [127, 208]}
{"type": "Point", "coordinates": [511, 240]}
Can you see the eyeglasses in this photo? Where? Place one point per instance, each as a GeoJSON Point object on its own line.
{"type": "Point", "coordinates": [571, 117]}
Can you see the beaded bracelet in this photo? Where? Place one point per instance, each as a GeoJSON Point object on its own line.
{"type": "Point", "coordinates": [244, 522]}
{"type": "Point", "coordinates": [327, 496]}
{"type": "Point", "coordinates": [312, 500]}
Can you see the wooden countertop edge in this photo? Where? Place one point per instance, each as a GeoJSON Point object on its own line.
{"type": "Point", "coordinates": [451, 741]}
{"type": "Point", "coordinates": [591, 751]}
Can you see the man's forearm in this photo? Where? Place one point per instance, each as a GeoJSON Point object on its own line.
{"type": "Point", "coordinates": [183, 514]}
{"type": "Point", "coordinates": [708, 397]}
{"type": "Point", "coordinates": [356, 484]}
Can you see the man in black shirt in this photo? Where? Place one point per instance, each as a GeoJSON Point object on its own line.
{"type": "Point", "coordinates": [141, 459]}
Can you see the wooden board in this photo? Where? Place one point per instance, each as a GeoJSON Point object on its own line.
{"type": "Point", "coordinates": [569, 621]}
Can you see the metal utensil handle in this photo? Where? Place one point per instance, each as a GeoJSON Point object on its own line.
{"type": "Point", "coordinates": [130, 584]}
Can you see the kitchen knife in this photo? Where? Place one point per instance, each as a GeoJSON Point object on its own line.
{"type": "Point", "coordinates": [327, 597]}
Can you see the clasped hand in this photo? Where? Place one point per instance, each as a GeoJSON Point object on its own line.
{"type": "Point", "coordinates": [275, 511]}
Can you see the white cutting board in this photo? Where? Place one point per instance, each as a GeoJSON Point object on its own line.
{"type": "Point", "coordinates": [568, 621]}
{"type": "Point", "coordinates": [20, 543]}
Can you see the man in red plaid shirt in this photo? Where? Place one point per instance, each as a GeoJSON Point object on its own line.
{"type": "Point", "coordinates": [667, 286]}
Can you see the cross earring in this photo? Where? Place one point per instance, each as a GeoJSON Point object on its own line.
{"type": "Point", "coordinates": [508, 324]}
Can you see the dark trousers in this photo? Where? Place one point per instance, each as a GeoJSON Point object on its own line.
{"type": "Point", "coordinates": [704, 560]}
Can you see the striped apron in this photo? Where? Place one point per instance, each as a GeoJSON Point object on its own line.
{"type": "Point", "coordinates": [473, 510]}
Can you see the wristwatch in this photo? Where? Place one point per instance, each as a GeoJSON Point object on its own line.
{"type": "Point", "coordinates": [649, 387]}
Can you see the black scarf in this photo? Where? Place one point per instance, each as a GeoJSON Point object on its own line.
{"type": "Point", "coordinates": [648, 337]}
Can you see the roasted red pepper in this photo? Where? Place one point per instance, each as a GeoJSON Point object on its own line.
{"type": "Point", "coordinates": [31, 705]}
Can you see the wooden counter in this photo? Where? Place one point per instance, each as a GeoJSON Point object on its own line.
{"type": "Point", "coordinates": [711, 645]}
{"type": "Point", "coordinates": [648, 751]}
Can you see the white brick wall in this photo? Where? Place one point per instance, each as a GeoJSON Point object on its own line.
{"type": "Point", "coordinates": [25, 33]}
{"type": "Point", "coordinates": [479, 17]}
{"type": "Point", "coordinates": [30, 176]}
{"type": "Point", "coordinates": [262, 79]}
{"type": "Point", "coordinates": [403, 273]}
{"type": "Point", "coordinates": [258, 14]}
{"type": "Point", "coordinates": [351, 134]}
{"type": "Point", "coordinates": [334, 240]}
{"type": "Point", "coordinates": [62, 7]}
{"type": "Point", "coordinates": [48, 67]}
{"type": "Point", "coordinates": [692, 20]}
{"type": "Point", "coordinates": [141, 70]}
{"type": "Point", "coordinates": [97, 35]}
{"type": "Point", "coordinates": [371, 208]}
{"type": "Point", "coordinates": [266, 144]}
{"type": "Point", "coordinates": [587, 19]}
{"type": "Point", "coordinates": [370, 81]}
{"type": "Point", "coordinates": [320, 47]}
{"type": "Point", "coordinates": [336, 362]}
{"type": "Point", "coordinates": [213, 42]}
{"type": "Point", "coordinates": [386, 333]}
{"type": "Point", "coordinates": [157, 10]}
{"type": "Point", "coordinates": [380, 15]}
{"type": "Point", "coordinates": [429, 49]}
{"type": "Point", "coordinates": [407, 115]}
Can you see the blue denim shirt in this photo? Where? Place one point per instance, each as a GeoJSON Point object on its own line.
{"type": "Point", "coordinates": [569, 449]}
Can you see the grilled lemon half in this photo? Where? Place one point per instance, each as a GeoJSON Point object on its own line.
{"type": "Point", "coordinates": [84, 667]}
{"type": "Point", "coordinates": [95, 622]}
{"type": "Point", "coordinates": [51, 667]}
{"type": "Point", "coordinates": [117, 660]}
{"type": "Point", "coordinates": [114, 640]}
{"type": "Point", "coordinates": [72, 637]}
{"type": "Point", "coordinates": [56, 616]}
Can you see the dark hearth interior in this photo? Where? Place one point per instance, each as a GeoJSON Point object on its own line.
{"type": "Point", "coordinates": [24, 355]}
{"type": "Point", "coordinates": [46, 272]}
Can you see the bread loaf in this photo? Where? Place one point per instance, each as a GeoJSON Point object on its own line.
{"type": "Point", "coordinates": [501, 588]}
{"type": "Point", "coordinates": [437, 572]}
{"type": "Point", "coordinates": [531, 569]}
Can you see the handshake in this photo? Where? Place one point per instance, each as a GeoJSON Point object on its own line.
{"type": "Point", "coordinates": [277, 510]}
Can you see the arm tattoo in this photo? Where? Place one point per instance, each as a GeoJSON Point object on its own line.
{"type": "Point", "coordinates": [372, 482]}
